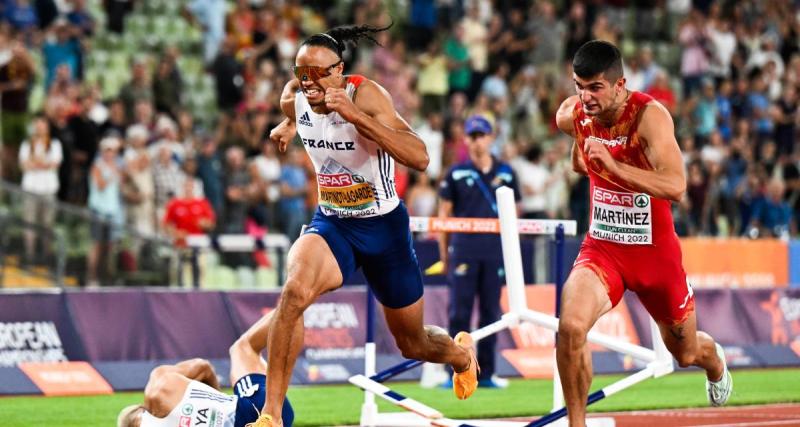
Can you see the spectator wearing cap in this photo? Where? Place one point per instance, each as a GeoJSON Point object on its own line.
{"type": "Point", "coordinates": [473, 262]}
{"type": "Point", "coordinates": [105, 202]}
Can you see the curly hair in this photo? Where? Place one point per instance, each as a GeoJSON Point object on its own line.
{"type": "Point", "coordinates": [337, 39]}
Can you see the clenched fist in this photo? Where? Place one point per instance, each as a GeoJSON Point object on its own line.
{"type": "Point", "coordinates": [336, 99]}
{"type": "Point", "coordinates": [598, 154]}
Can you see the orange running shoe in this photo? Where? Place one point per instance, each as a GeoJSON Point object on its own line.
{"type": "Point", "coordinates": [465, 383]}
{"type": "Point", "coordinates": [263, 420]}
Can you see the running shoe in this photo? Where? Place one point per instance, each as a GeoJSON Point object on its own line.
{"type": "Point", "coordinates": [263, 420]}
{"type": "Point", "coordinates": [465, 383]}
{"type": "Point", "coordinates": [720, 391]}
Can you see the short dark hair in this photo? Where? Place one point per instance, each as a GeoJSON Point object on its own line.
{"type": "Point", "coordinates": [598, 57]}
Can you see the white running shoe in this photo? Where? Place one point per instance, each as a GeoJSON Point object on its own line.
{"type": "Point", "coordinates": [720, 391]}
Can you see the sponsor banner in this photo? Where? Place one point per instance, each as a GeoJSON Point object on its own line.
{"type": "Point", "coordinates": [335, 327]}
{"type": "Point", "coordinates": [794, 263]}
{"type": "Point", "coordinates": [66, 378]}
{"type": "Point", "coordinates": [152, 324]}
{"type": "Point", "coordinates": [735, 263]}
{"type": "Point", "coordinates": [36, 327]}
{"type": "Point", "coordinates": [533, 353]}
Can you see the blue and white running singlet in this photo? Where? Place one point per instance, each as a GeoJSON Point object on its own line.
{"type": "Point", "coordinates": [354, 175]}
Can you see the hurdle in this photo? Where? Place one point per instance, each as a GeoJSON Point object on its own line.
{"type": "Point", "coordinates": [658, 360]}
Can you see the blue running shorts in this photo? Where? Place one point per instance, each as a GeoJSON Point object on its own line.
{"type": "Point", "coordinates": [252, 393]}
{"type": "Point", "coordinates": [381, 246]}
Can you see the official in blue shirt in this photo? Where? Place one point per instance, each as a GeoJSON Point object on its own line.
{"type": "Point", "coordinates": [474, 262]}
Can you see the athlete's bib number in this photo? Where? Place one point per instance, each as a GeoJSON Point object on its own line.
{"type": "Point", "coordinates": [624, 218]}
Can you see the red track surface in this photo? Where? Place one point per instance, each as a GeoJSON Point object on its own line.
{"type": "Point", "coordinates": [739, 416]}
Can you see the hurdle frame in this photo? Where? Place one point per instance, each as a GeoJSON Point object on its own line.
{"type": "Point", "coordinates": [658, 359]}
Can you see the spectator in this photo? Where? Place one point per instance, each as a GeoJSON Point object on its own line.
{"type": "Point", "coordinates": [116, 10]}
{"type": "Point", "coordinates": [80, 18]}
{"type": "Point", "coordinates": [772, 217]}
{"type": "Point", "coordinates": [167, 86]}
{"type": "Point", "coordinates": [84, 149]}
{"type": "Point", "coordinates": [661, 91]}
{"type": "Point", "coordinates": [291, 206]}
{"type": "Point", "coordinates": [549, 34]}
{"type": "Point", "coordinates": [459, 79]}
{"type": "Point", "coordinates": [694, 57]}
{"type": "Point", "coordinates": [421, 196]}
{"type": "Point", "coordinates": [105, 202]}
{"type": "Point", "coordinates": [139, 186]}
{"type": "Point", "coordinates": [431, 132]}
{"type": "Point", "coordinates": [167, 177]}
{"type": "Point", "coordinates": [432, 82]}
{"type": "Point", "coordinates": [16, 78]}
{"type": "Point", "coordinates": [240, 23]}
{"type": "Point", "coordinates": [210, 16]}
{"type": "Point", "coordinates": [188, 213]}
{"type": "Point", "coordinates": [476, 38]}
{"type": "Point", "coordinates": [117, 122]}
{"type": "Point", "coordinates": [39, 157]}
{"type": "Point", "coordinates": [21, 15]}
{"type": "Point", "coordinates": [210, 171]}
{"type": "Point", "coordinates": [227, 73]}
{"type": "Point", "coordinates": [62, 48]}
{"type": "Point", "coordinates": [137, 89]}
{"type": "Point", "coordinates": [534, 178]}
{"type": "Point", "coordinates": [267, 170]}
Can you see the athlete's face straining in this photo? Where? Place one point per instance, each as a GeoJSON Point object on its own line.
{"type": "Point", "coordinates": [597, 94]}
{"type": "Point", "coordinates": [317, 68]}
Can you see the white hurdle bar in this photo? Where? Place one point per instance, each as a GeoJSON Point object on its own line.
{"type": "Point", "coordinates": [658, 359]}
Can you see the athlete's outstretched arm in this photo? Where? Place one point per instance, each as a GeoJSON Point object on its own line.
{"type": "Point", "coordinates": [666, 180]}
{"type": "Point", "coordinates": [375, 117]}
{"type": "Point", "coordinates": [286, 130]}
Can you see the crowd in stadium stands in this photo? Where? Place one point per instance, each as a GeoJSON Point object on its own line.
{"type": "Point", "coordinates": [728, 71]}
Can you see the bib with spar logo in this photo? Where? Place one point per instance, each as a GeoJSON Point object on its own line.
{"type": "Point", "coordinates": [621, 217]}
{"type": "Point", "coordinates": [343, 191]}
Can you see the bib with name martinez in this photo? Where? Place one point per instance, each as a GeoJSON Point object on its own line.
{"type": "Point", "coordinates": [355, 177]}
{"type": "Point", "coordinates": [618, 213]}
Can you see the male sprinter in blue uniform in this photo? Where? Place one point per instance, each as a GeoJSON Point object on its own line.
{"type": "Point", "coordinates": [187, 394]}
{"type": "Point", "coordinates": [474, 262]}
{"type": "Point", "coordinates": [353, 135]}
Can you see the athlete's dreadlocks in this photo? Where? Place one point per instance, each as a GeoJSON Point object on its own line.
{"type": "Point", "coordinates": [337, 39]}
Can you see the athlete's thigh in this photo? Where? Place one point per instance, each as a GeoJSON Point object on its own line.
{"type": "Point", "coordinates": [594, 287]}
{"type": "Point", "coordinates": [312, 265]}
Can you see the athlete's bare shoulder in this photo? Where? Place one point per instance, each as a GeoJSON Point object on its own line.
{"type": "Point", "coordinates": [369, 94]}
{"type": "Point", "coordinates": [564, 115]}
{"type": "Point", "coordinates": [654, 120]}
{"type": "Point", "coordinates": [288, 96]}
{"type": "Point", "coordinates": [374, 100]}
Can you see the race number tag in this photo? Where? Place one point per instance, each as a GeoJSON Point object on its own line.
{"type": "Point", "coordinates": [624, 218]}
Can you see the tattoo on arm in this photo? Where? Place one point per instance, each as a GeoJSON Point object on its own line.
{"type": "Point", "coordinates": [677, 332]}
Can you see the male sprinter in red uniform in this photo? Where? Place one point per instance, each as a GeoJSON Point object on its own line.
{"type": "Point", "coordinates": [625, 143]}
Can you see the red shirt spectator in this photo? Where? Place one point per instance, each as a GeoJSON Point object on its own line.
{"type": "Point", "coordinates": [188, 214]}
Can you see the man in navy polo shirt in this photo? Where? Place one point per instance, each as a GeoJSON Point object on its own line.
{"type": "Point", "coordinates": [474, 262]}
